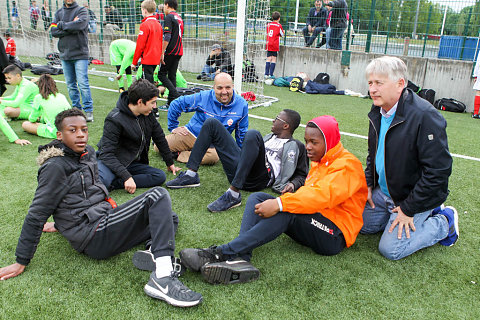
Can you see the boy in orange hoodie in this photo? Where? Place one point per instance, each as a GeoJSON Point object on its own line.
{"type": "Point", "coordinates": [325, 214]}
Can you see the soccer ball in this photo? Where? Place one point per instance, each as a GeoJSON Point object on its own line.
{"type": "Point", "coordinates": [269, 82]}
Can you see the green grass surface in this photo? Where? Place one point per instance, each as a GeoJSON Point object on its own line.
{"type": "Point", "coordinates": [295, 283]}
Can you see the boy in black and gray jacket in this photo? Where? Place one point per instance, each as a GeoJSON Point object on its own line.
{"type": "Point", "coordinates": [70, 190]}
{"type": "Point", "coordinates": [276, 160]}
{"type": "Point", "coordinates": [127, 132]}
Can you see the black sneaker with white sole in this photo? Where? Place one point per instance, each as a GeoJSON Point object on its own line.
{"type": "Point", "coordinates": [172, 291]}
{"type": "Point", "coordinates": [144, 260]}
{"type": "Point", "coordinates": [183, 180]}
{"type": "Point", "coordinates": [230, 272]}
{"type": "Point", "coordinates": [194, 259]}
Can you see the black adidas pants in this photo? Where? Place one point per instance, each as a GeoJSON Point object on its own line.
{"type": "Point", "coordinates": [148, 216]}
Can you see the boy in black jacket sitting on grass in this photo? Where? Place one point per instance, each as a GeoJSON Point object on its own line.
{"type": "Point", "coordinates": [69, 189]}
{"type": "Point", "coordinates": [123, 148]}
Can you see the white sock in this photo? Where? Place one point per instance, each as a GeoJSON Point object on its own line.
{"type": "Point", "coordinates": [190, 173]}
{"type": "Point", "coordinates": [234, 193]}
{"type": "Point", "coordinates": [163, 266]}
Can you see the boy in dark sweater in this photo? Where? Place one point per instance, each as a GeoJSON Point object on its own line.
{"type": "Point", "coordinates": [69, 189]}
{"type": "Point", "coordinates": [127, 132]}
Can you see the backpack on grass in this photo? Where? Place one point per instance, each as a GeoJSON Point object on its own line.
{"type": "Point", "coordinates": [451, 105]}
{"type": "Point", "coordinates": [427, 94]}
{"type": "Point", "coordinates": [296, 84]}
{"type": "Point", "coordinates": [322, 78]}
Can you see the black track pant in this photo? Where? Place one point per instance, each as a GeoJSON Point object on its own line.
{"type": "Point", "coordinates": [148, 71]}
{"type": "Point", "coordinates": [168, 75]}
{"type": "Point", "coordinates": [148, 216]}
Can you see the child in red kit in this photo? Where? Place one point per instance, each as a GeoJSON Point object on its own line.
{"type": "Point", "coordinates": [149, 42]}
{"type": "Point", "coordinates": [274, 32]}
{"type": "Point", "coordinates": [11, 48]}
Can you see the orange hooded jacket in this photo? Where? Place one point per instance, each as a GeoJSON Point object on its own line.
{"type": "Point", "coordinates": [335, 186]}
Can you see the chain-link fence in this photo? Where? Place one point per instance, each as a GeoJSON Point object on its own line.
{"type": "Point", "coordinates": [419, 28]}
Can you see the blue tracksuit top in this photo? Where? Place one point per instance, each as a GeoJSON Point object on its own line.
{"type": "Point", "coordinates": [234, 116]}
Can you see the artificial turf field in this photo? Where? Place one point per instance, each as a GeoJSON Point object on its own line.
{"type": "Point", "coordinates": [295, 283]}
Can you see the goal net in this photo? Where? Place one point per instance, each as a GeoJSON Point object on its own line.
{"type": "Point", "coordinates": [206, 22]}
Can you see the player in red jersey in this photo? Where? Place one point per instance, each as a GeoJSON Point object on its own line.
{"type": "Point", "coordinates": [11, 48]}
{"type": "Point", "coordinates": [274, 32]}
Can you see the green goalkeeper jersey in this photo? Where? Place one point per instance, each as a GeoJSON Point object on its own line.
{"type": "Point", "coordinates": [121, 54]}
{"type": "Point", "coordinates": [22, 97]}
{"type": "Point", "coordinates": [47, 109]}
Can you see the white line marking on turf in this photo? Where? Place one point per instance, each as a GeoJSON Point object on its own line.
{"type": "Point", "coordinates": [366, 138]}
{"type": "Point", "coordinates": [303, 126]}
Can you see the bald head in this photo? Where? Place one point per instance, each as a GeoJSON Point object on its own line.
{"type": "Point", "coordinates": [223, 87]}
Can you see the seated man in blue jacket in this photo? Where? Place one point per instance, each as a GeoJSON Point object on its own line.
{"type": "Point", "coordinates": [277, 160]}
{"type": "Point", "coordinates": [221, 103]}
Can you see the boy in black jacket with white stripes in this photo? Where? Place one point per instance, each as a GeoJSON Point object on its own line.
{"type": "Point", "coordinates": [70, 190]}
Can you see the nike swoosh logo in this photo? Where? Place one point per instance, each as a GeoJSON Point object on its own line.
{"type": "Point", "coordinates": [164, 290]}
{"type": "Point", "coordinates": [234, 262]}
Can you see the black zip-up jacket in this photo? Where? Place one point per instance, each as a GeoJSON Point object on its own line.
{"type": "Point", "coordinates": [69, 189]}
{"type": "Point", "coordinates": [417, 160]}
{"type": "Point", "coordinates": [339, 14]}
{"type": "Point", "coordinates": [126, 138]}
{"type": "Point", "coordinates": [222, 61]}
{"type": "Point", "coordinates": [319, 20]}
{"type": "Point", "coordinates": [73, 35]}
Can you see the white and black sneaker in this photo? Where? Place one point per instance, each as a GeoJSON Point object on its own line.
{"type": "Point", "coordinates": [230, 272]}
{"type": "Point", "coordinates": [172, 291]}
{"type": "Point", "coordinates": [144, 260]}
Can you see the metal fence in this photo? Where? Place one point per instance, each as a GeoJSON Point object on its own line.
{"type": "Point", "coordinates": [420, 28]}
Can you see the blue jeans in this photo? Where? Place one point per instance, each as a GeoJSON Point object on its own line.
{"type": "Point", "coordinates": [76, 71]}
{"type": "Point", "coordinates": [310, 39]}
{"type": "Point", "coordinates": [209, 71]}
{"type": "Point", "coordinates": [144, 176]}
{"type": "Point", "coordinates": [335, 38]}
{"type": "Point", "coordinates": [302, 228]}
{"type": "Point", "coordinates": [328, 32]}
{"type": "Point", "coordinates": [430, 229]}
{"type": "Point", "coordinates": [92, 26]}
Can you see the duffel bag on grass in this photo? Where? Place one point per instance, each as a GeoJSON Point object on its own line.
{"type": "Point", "coordinates": [451, 105]}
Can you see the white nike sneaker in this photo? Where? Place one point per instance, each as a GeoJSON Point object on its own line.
{"type": "Point", "coordinates": [230, 272]}
{"type": "Point", "coordinates": [172, 291]}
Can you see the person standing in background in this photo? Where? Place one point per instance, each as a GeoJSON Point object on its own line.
{"type": "Point", "coordinates": [476, 87]}
{"type": "Point", "coordinates": [70, 26]}
{"type": "Point", "coordinates": [274, 32]}
{"type": "Point", "coordinates": [34, 14]}
{"type": "Point", "coordinates": [46, 15]}
{"type": "Point", "coordinates": [92, 19]}
{"type": "Point", "coordinates": [173, 49]}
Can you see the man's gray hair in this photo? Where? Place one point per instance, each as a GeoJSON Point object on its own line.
{"type": "Point", "coordinates": [392, 67]}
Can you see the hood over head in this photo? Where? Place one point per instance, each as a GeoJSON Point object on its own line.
{"type": "Point", "coordinates": [328, 125]}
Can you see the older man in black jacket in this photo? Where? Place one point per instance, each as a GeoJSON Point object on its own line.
{"type": "Point", "coordinates": [408, 166]}
{"type": "Point", "coordinates": [316, 23]}
{"type": "Point", "coordinates": [127, 132]}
